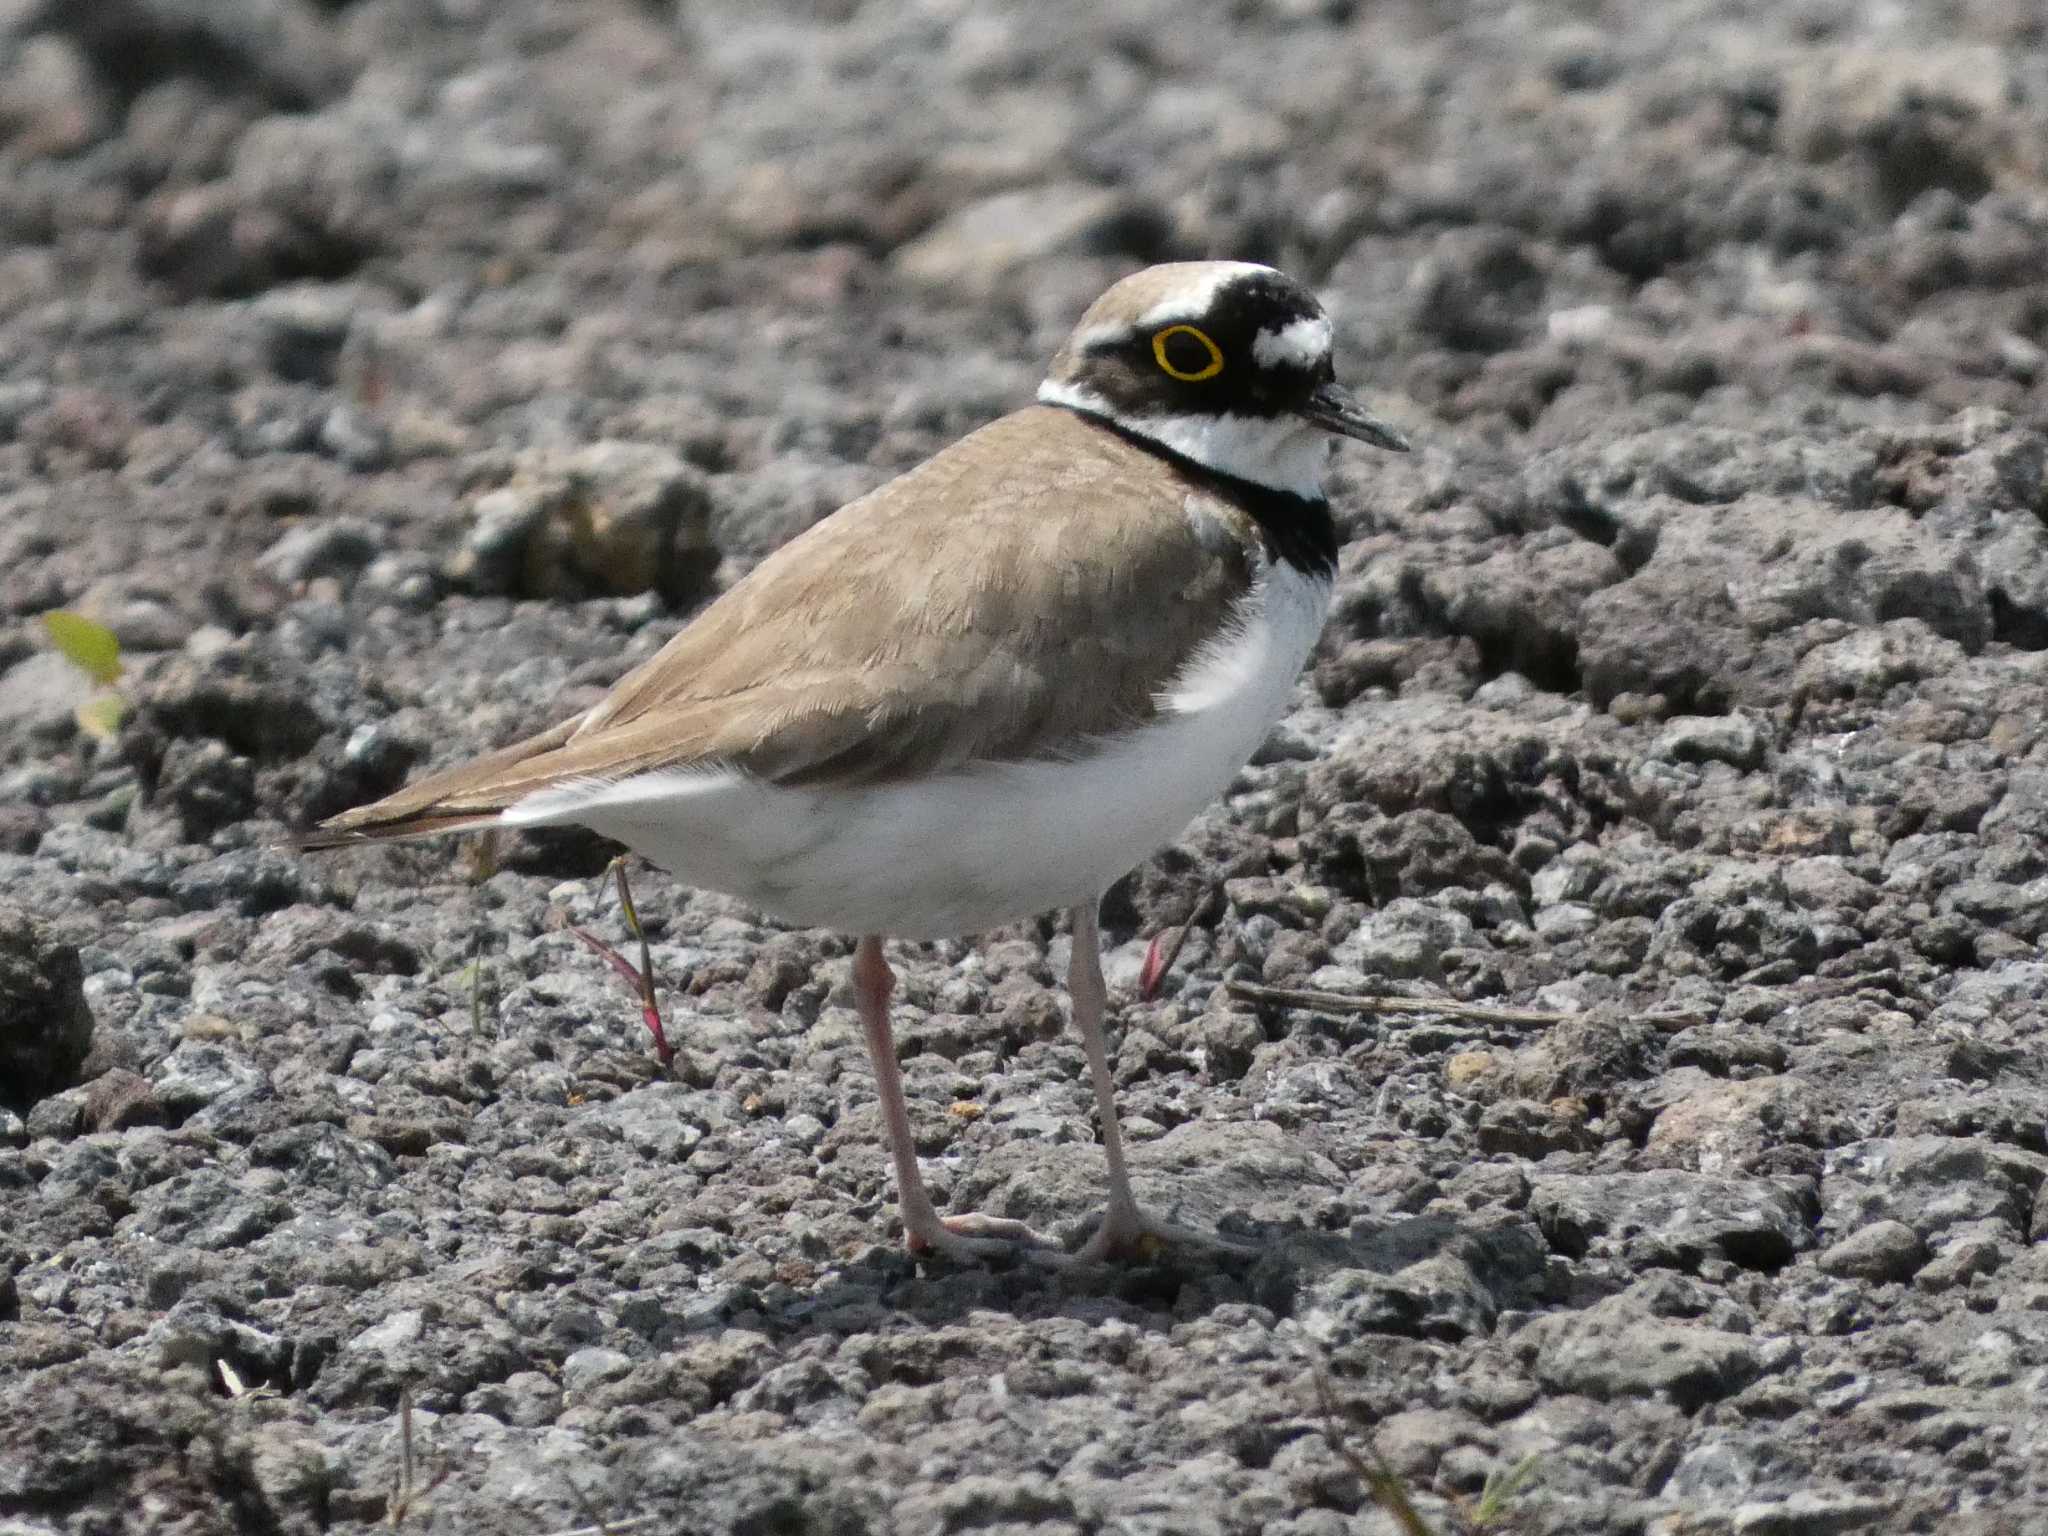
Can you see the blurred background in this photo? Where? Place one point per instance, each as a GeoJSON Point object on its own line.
{"type": "Point", "coordinates": [305, 257]}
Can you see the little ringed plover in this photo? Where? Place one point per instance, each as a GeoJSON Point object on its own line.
{"type": "Point", "coordinates": [993, 685]}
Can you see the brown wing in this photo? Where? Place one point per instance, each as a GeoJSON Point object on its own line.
{"type": "Point", "coordinates": [945, 618]}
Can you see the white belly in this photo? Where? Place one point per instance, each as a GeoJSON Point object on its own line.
{"type": "Point", "coordinates": [980, 847]}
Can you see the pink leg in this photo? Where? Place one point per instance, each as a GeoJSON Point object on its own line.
{"type": "Point", "coordinates": [971, 1236]}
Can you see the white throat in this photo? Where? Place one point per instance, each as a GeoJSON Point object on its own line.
{"type": "Point", "coordinates": [1281, 453]}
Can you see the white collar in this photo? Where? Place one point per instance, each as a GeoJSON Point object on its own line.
{"type": "Point", "coordinates": [1281, 453]}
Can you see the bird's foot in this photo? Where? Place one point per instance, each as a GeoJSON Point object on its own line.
{"type": "Point", "coordinates": [972, 1237]}
{"type": "Point", "coordinates": [1128, 1234]}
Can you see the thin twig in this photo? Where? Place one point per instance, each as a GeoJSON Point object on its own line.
{"type": "Point", "coordinates": [405, 1461]}
{"type": "Point", "coordinates": [476, 985]}
{"type": "Point", "coordinates": [1381, 1480]}
{"type": "Point", "coordinates": [1388, 1489]}
{"type": "Point", "coordinates": [1673, 1020]}
{"type": "Point", "coordinates": [598, 1523]}
{"type": "Point", "coordinates": [407, 1491]}
{"type": "Point", "coordinates": [1350, 1002]}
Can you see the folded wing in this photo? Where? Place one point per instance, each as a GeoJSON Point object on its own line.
{"type": "Point", "coordinates": [944, 619]}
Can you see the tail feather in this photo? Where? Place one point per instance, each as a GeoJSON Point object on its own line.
{"type": "Point", "coordinates": [328, 835]}
{"type": "Point", "coordinates": [466, 798]}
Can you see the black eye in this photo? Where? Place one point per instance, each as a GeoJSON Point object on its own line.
{"type": "Point", "coordinates": [1187, 354]}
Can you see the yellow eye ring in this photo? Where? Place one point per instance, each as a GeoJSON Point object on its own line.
{"type": "Point", "coordinates": [1208, 370]}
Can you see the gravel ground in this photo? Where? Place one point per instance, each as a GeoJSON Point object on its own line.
{"type": "Point", "coordinates": [390, 375]}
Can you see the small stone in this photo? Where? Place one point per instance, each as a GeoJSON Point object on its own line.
{"type": "Point", "coordinates": [46, 1024]}
{"type": "Point", "coordinates": [244, 697]}
{"type": "Point", "coordinates": [61, 1115]}
{"type": "Point", "coordinates": [357, 439]}
{"type": "Point", "coordinates": [978, 249]}
{"type": "Point", "coordinates": [1525, 1128]}
{"type": "Point", "coordinates": [1414, 1441]}
{"type": "Point", "coordinates": [1880, 1252]}
{"type": "Point", "coordinates": [1870, 660]}
{"type": "Point", "coordinates": [658, 1120]}
{"type": "Point", "coordinates": [251, 881]}
{"type": "Point", "coordinates": [1810, 1514]}
{"type": "Point", "coordinates": [395, 1339]}
{"type": "Point", "coordinates": [1621, 1347]}
{"type": "Point", "coordinates": [1719, 1124]}
{"type": "Point", "coordinates": [322, 546]}
{"type": "Point", "coordinates": [1734, 739]}
{"type": "Point", "coordinates": [1290, 904]}
{"type": "Point", "coordinates": [118, 1099]}
{"type": "Point", "coordinates": [1669, 1218]}
{"type": "Point", "coordinates": [1468, 1069]}
{"type": "Point", "coordinates": [591, 1367]}
{"type": "Point", "coordinates": [615, 517]}
{"type": "Point", "coordinates": [1405, 939]}
{"type": "Point", "coordinates": [1825, 883]}
{"type": "Point", "coordinates": [1486, 1184]}
{"type": "Point", "coordinates": [208, 785]}
{"type": "Point", "coordinates": [1726, 1052]}
{"type": "Point", "coordinates": [51, 103]}
{"type": "Point", "coordinates": [501, 523]}
{"type": "Point", "coordinates": [1978, 1248]}
{"type": "Point", "coordinates": [288, 1467]}
{"type": "Point", "coordinates": [197, 1074]}
{"type": "Point", "coordinates": [524, 1399]}
{"type": "Point", "coordinates": [1017, 1502]}
{"type": "Point", "coordinates": [1632, 708]}
{"type": "Point", "coordinates": [1931, 1183]}
{"type": "Point", "coordinates": [1565, 921]}
{"type": "Point", "coordinates": [22, 827]}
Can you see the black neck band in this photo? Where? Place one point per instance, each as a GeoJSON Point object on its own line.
{"type": "Point", "coordinates": [1297, 529]}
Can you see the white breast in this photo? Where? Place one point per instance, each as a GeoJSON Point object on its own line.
{"type": "Point", "coordinates": [973, 849]}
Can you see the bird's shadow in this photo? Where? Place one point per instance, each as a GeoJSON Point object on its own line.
{"type": "Point", "coordinates": [1423, 1276]}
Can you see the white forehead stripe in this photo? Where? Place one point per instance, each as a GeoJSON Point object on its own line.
{"type": "Point", "coordinates": [1297, 344]}
{"type": "Point", "coordinates": [1193, 301]}
{"type": "Point", "coordinates": [1097, 335]}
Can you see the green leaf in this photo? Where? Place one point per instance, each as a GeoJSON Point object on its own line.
{"type": "Point", "coordinates": [100, 716]}
{"type": "Point", "coordinates": [89, 647]}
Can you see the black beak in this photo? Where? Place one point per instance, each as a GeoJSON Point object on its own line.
{"type": "Point", "coordinates": [1335, 409]}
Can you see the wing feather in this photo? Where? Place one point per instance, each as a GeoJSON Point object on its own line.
{"type": "Point", "coordinates": [941, 620]}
